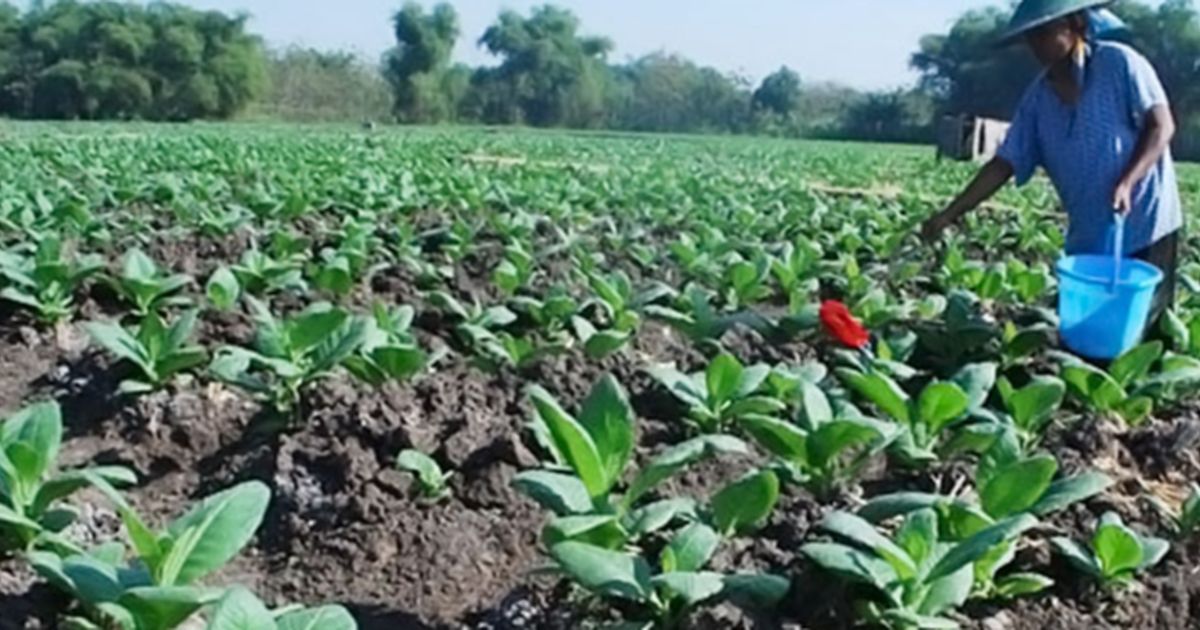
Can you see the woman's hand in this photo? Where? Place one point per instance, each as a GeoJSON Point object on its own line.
{"type": "Point", "coordinates": [932, 229]}
{"type": "Point", "coordinates": [1123, 197]}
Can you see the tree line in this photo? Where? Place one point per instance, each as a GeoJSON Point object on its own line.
{"type": "Point", "coordinates": [115, 60]}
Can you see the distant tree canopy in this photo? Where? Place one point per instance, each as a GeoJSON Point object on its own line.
{"type": "Point", "coordinates": [119, 60]}
{"type": "Point", "coordinates": [311, 85]}
{"type": "Point", "coordinates": [417, 66]}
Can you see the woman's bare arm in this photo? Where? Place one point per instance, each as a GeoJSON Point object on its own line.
{"type": "Point", "coordinates": [990, 178]}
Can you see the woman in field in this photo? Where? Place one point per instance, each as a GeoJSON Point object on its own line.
{"type": "Point", "coordinates": [1098, 121]}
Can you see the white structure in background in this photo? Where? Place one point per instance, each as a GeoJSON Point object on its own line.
{"type": "Point", "coordinates": [966, 137]}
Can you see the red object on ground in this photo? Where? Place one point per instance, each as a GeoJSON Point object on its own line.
{"type": "Point", "coordinates": [842, 326]}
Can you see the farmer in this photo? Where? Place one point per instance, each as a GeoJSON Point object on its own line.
{"type": "Point", "coordinates": [1098, 121]}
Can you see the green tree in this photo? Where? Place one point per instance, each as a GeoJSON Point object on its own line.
{"type": "Point", "coordinates": [416, 67]}
{"type": "Point", "coordinates": [779, 92]}
{"type": "Point", "coordinates": [549, 74]}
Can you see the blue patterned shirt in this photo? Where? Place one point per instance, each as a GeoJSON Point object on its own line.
{"type": "Point", "coordinates": [1086, 148]}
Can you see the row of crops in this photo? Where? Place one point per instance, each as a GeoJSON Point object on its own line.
{"type": "Point", "coordinates": [700, 382]}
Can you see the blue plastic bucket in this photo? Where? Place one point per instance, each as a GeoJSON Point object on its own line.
{"type": "Point", "coordinates": [1100, 315]}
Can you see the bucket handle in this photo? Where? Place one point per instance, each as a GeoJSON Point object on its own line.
{"type": "Point", "coordinates": [1118, 247]}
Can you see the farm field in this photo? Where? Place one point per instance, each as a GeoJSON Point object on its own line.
{"type": "Point", "coordinates": [464, 378]}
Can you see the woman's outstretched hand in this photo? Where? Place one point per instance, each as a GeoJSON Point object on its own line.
{"type": "Point", "coordinates": [935, 226]}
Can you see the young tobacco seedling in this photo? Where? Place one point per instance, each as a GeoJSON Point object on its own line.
{"type": "Point", "coordinates": [917, 577]}
{"type": "Point", "coordinates": [340, 268]}
{"type": "Point", "coordinates": [821, 451]}
{"type": "Point", "coordinates": [259, 273]}
{"type": "Point", "coordinates": [591, 453]}
{"type": "Point", "coordinates": [1116, 391]}
{"type": "Point", "coordinates": [934, 413]}
{"type": "Point", "coordinates": [473, 324]}
{"type": "Point", "coordinates": [223, 289]}
{"type": "Point", "coordinates": [31, 492]}
{"type": "Point", "coordinates": [1185, 521]}
{"type": "Point", "coordinates": [745, 281]}
{"type": "Point", "coordinates": [1116, 554]}
{"type": "Point", "coordinates": [388, 351]}
{"type": "Point", "coordinates": [1031, 408]}
{"type": "Point", "coordinates": [290, 354]}
{"type": "Point", "coordinates": [515, 270]}
{"type": "Point", "coordinates": [1007, 484]}
{"type": "Point", "coordinates": [146, 287]}
{"type": "Point", "coordinates": [159, 351]}
{"type": "Point", "coordinates": [428, 473]}
{"type": "Point", "coordinates": [666, 598]}
{"type": "Point", "coordinates": [46, 281]}
{"type": "Point", "coordinates": [698, 320]}
{"type": "Point", "coordinates": [157, 589]}
{"type": "Point", "coordinates": [239, 609]}
{"type": "Point", "coordinates": [721, 395]}
{"type": "Point", "coordinates": [621, 304]}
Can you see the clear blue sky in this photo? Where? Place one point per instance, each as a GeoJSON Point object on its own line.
{"type": "Point", "coordinates": [862, 43]}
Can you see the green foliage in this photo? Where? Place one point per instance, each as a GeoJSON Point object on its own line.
{"type": "Point", "coordinates": [1116, 553]}
{"type": "Point", "coordinates": [239, 609]}
{"type": "Point", "coordinates": [926, 419]}
{"type": "Point", "coordinates": [429, 474]}
{"type": "Point", "coordinates": [113, 60]}
{"type": "Point", "coordinates": [821, 451]}
{"type": "Point", "coordinates": [722, 394]}
{"type": "Point", "coordinates": [157, 589]}
{"type": "Point", "coordinates": [388, 351]}
{"type": "Point", "coordinates": [46, 279]}
{"type": "Point", "coordinates": [290, 354]}
{"type": "Point", "coordinates": [681, 584]}
{"type": "Point", "coordinates": [146, 287]}
{"type": "Point", "coordinates": [916, 576]}
{"type": "Point", "coordinates": [1119, 390]}
{"type": "Point", "coordinates": [417, 66]}
{"type": "Point", "coordinates": [159, 351]}
{"type": "Point", "coordinates": [32, 511]}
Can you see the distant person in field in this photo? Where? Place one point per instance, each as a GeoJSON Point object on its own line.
{"type": "Point", "coordinates": [1098, 121]}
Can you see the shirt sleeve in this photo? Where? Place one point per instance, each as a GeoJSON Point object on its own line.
{"type": "Point", "coordinates": [1020, 148]}
{"type": "Point", "coordinates": [1145, 89]}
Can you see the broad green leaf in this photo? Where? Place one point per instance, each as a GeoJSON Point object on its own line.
{"type": "Point", "coordinates": [948, 592]}
{"type": "Point", "coordinates": [1078, 555]}
{"type": "Point", "coordinates": [599, 530]}
{"type": "Point", "coordinates": [690, 549]}
{"type": "Point", "coordinates": [856, 529]}
{"type": "Point", "coordinates": [657, 515]}
{"type": "Point", "coordinates": [1134, 365]}
{"type": "Point", "coordinates": [1093, 386]}
{"type": "Point", "coordinates": [323, 618]}
{"type": "Point", "coordinates": [745, 503]}
{"type": "Point", "coordinates": [1020, 584]}
{"type": "Point", "coordinates": [941, 404]}
{"type": "Point", "coordinates": [918, 536]}
{"type": "Point", "coordinates": [815, 404]}
{"type": "Point", "coordinates": [690, 587]}
{"type": "Point", "coordinates": [603, 571]}
{"type": "Point", "coordinates": [782, 439]}
{"type": "Point", "coordinates": [313, 327]}
{"type": "Point", "coordinates": [1135, 410]}
{"type": "Point", "coordinates": [1034, 404]}
{"type": "Point", "coordinates": [1017, 487]}
{"type": "Point", "coordinates": [1065, 492]}
{"type": "Point", "coordinates": [888, 506]}
{"type": "Point", "coordinates": [559, 493]}
{"type": "Point", "coordinates": [160, 607]}
{"type": "Point", "coordinates": [758, 590]}
{"type": "Point", "coordinates": [239, 609]}
{"type": "Point", "coordinates": [723, 378]}
{"type": "Point", "coordinates": [573, 442]}
{"type": "Point", "coordinates": [1118, 549]}
{"type": "Point", "coordinates": [851, 563]}
{"type": "Point", "coordinates": [881, 391]}
{"type": "Point", "coordinates": [968, 551]}
{"type": "Point", "coordinates": [215, 531]}
{"type": "Point", "coordinates": [678, 457]}
{"type": "Point", "coordinates": [976, 381]}
{"type": "Point", "coordinates": [608, 418]}
{"type": "Point", "coordinates": [223, 289]}
{"type": "Point", "coordinates": [832, 439]}
{"type": "Point", "coordinates": [423, 466]}
{"type": "Point", "coordinates": [40, 427]}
